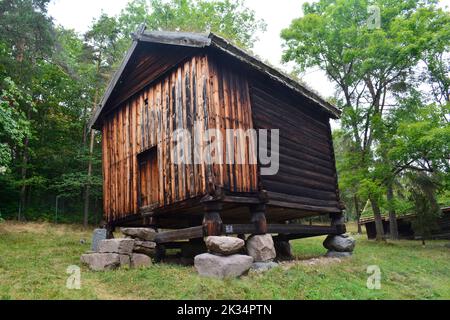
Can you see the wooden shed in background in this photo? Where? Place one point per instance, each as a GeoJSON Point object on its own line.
{"type": "Point", "coordinates": [405, 226]}
{"type": "Point", "coordinates": [171, 80]}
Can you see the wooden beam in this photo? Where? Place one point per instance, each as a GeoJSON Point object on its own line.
{"type": "Point", "coordinates": [181, 234]}
{"type": "Point", "coordinates": [298, 206]}
{"type": "Point", "coordinates": [287, 231]}
{"type": "Point", "coordinates": [288, 237]}
{"type": "Point", "coordinates": [148, 210]}
{"type": "Point", "coordinates": [241, 200]}
{"type": "Point", "coordinates": [185, 39]}
{"type": "Point", "coordinates": [284, 229]}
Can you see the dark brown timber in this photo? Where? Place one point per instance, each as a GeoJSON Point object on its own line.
{"type": "Point", "coordinates": [201, 84]}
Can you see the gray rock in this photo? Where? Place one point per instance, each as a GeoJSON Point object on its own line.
{"type": "Point", "coordinates": [125, 260]}
{"type": "Point", "coordinates": [339, 243]}
{"type": "Point", "coordinates": [221, 267]}
{"type": "Point", "coordinates": [144, 247]}
{"type": "Point", "coordinates": [122, 246]}
{"type": "Point", "coordinates": [97, 236]}
{"type": "Point", "coordinates": [261, 248]}
{"type": "Point", "coordinates": [140, 260]}
{"type": "Point", "coordinates": [336, 254]}
{"type": "Point", "coordinates": [224, 245]}
{"type": "Point", "coordinates": [101, 261]}
{"type": "Point", "coordinates": [263, 266]}
{"type": "Point", "coordinates": [139, 233]}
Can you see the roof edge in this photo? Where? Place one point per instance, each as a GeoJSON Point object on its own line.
{"type": "Point", "coordinates": [200, 40]}
{"type": "Point", "coordinates": [228, 47]}
{"type": "Point", "coordinates": [115, 79]}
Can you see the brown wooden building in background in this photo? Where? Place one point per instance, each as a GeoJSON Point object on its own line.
{"type": "Point", "coordinates": [172, 80]}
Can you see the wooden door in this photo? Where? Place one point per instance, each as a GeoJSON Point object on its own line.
{"type": "Point", "coordinates": [148, 178]}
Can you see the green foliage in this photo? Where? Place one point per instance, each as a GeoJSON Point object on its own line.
{"type": "Point", "coordinates": [422, 137]}
{"type": "Point", "coordinates": [230, 19]}
{"type": "Point", "coordinates": [13, 123]}
{"type": "Point", "coordinates": [51, 80]}
{"type": "Point", "coordinates": [390, 126]}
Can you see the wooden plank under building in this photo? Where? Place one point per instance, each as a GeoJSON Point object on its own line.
{"type": "Point", "coordinates": [288, 231]}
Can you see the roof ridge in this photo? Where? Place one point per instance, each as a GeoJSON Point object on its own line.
{"type": "Point", "coordinates": [211, 39]}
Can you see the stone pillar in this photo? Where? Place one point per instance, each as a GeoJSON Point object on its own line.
{"type": "Point", "coordinates": [339, 245]}
{"type": "Point", "coordinates": [212, 223]}
{"type": "Point", "coordinates": [258, 219]}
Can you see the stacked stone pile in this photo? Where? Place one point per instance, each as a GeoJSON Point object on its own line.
{"type": "Point", "coordinates": [133, 251]}
{"type": "Point", "coordinates": [339, 246]}
{"type": "Point", "coordinates": [223, 259]}
{"type": "Point", "coordinates": [144, 239]}
{"type": "Point", "coordinates": [262, 249]}
{"type": "Point", "coordinates": [226, 259]}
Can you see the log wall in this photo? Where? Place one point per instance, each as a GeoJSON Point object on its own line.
{"type": "Point", "coordinates": [138, 167]}
{"type": "Point", "coordinates": [307, 173]}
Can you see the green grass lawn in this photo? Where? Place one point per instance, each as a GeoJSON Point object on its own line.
{"type": "Point", "coordinates": [34, 258]}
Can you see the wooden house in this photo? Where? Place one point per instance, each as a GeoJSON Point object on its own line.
{"type": "Point", "coordinates": [405, 226]}
{"type": "Point", "coordinates": [173, 80]}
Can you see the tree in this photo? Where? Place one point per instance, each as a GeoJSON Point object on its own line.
{"type": "Point", "coordinates": [347, 160]}
{"type": "Point", "coordinates": [102, 41]}
{"type": "Point", "coordinates": [334, 35]}
{"type": "Point", "coordinates": [51, 80]}
{"type": "Point", "coordinates": [13, 124]}
{"type": "Point", "coordinates": [230, 19]}
{"type": "Point", "coordinates": [27, 31]}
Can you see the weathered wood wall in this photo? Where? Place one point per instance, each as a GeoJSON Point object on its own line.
{"type": "Point", "coordinates": [307, 173]}
{"type": "Point", "coordinates": [197, 91]}
{"type": "Point", "coordinates": [209, 91]}
{"type": "Point", "coordinates": [146, 120]}
{"type": "Point", "coordinates": [230, 108]}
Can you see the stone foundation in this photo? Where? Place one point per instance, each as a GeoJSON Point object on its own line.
{"type": "Point", "coordinates": [339, 246]}
{"type": "Point", "coordinates": [133, 251]}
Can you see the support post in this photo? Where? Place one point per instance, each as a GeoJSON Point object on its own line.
{"type": "Point", "coordinates": [338, 221]}
{"type": "Point", "coordinates": [283, 248]}
{"type": "Point", "coordinates": [212, 223]}
{"type": "Point", "coordinates": [110, 231]}
{"type": "Point", "coordinates": [258, 213]}
{"type": "Point", "coordinates": [160, 252]}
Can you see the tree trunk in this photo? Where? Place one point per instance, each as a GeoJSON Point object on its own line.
{"type": "Point", "coordinates": [378, 220]}
{"type": "Point", "coordinates": [393, 227]}
{"type": "Point", "coordinates": [23, 188]}
{"type": "Point", "coordinates": [88, 185]}
{"type": "Point", "coordinates": [358, 213]}
{"type": "Point", "coordinates": [91, 152]}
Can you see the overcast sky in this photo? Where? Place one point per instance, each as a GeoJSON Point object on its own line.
{"type": "Point", "coordinates": [277, 14]}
